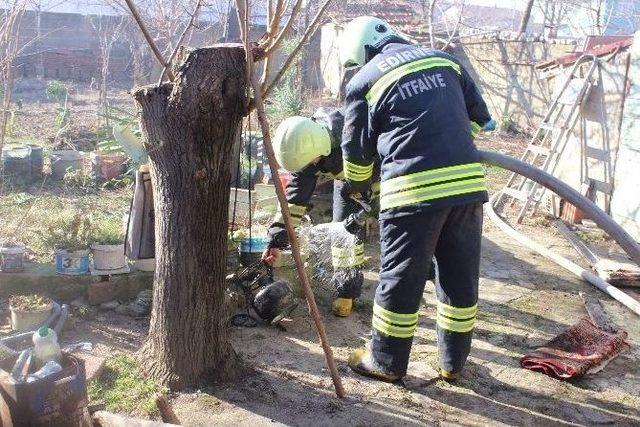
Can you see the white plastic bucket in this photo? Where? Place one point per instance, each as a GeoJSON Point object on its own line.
{"type": "Point", "coordinates": [108, 257]}
{"type": "Point", "coordinates": [28, 320]}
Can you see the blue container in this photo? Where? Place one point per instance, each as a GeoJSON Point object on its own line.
{"type": "Point", "coordinates": [72, 263]}
{"type": "Point", "coordinates": [251, 250]}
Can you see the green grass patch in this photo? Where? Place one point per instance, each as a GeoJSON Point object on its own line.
{"type": "Point", "coordinates": [123, 389]}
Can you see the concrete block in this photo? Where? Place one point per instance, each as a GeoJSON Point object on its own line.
{"type": "Point", "coordinates": [100, 292]}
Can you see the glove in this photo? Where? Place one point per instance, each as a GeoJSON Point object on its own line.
{"type": "Point", "coordinates": [489, 126]}
{"type": "Point", "coordinates": [347, 190]}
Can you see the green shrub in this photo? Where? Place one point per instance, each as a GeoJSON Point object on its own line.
{"type": "Point", "coordinates": [56, 90]}
{"type": "Point", "coordinates": [78, 178]}
{"type": "Point", "coordinates": [67, 231]}
{"type": "Point", "coordinates": [107, 231]}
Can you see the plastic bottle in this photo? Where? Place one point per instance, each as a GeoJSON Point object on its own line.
{"type": "Point", "coordinates": [46, 348]}
{"type": "Point", "coordinates": [49, 368]}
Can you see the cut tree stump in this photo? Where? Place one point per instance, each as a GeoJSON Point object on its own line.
{"type": "Point", "coordinates": [189, 127]}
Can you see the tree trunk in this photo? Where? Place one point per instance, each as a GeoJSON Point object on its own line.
{"type": "Point", "coordinates": [526, 15]}
{"type": "Point", "coordinates": [189, 126]}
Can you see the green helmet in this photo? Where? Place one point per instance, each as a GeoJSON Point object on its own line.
{"type": "Point", "coordinates": [363, 31]}
{"type": "Point", "coordinates": [298, 141]}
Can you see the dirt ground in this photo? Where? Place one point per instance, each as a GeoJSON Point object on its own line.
{"type": "Point", "coordinates": [524, 301]}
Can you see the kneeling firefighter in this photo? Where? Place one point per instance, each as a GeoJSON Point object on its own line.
{"type": "Point", "coordinates": [417, 110]}
{"type": "Point", "coordinates": [309, 148]}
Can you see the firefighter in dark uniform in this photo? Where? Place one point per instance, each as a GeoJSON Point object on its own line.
{"type": "Point", "coordinates": [310, 148]}
{"type": "Point", "coordinates": [417, 110]}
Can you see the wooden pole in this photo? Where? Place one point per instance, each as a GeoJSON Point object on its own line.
{"type": "Point", "coordinates": [284, 208]}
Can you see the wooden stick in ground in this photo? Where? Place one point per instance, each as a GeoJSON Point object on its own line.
{"type": "Point", "coordinates": [284, 208]}
{"type": "Point", "coordinates": [166, 411]}
{"type": "Point", "coordinates": [147, 36]}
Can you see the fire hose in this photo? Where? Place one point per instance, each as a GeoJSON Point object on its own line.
{"type": "Point", "coordinates": [590, 209]}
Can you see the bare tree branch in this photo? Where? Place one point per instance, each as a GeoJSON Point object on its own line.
{"type": "Point", "coordinates": [287, 63]}
{"type": "Point", "coordinates": [456, 27]}
{"type": "Point", "coordinates": [526, 15]}
{"type": "Point", "coordinates": [285, 30]}
{"type": "Point", "coordinates": [432, 40]}
{"type": "Point", "coordinates": [186, 31]}
{"type": "Point", "coordinates": [149, 39]}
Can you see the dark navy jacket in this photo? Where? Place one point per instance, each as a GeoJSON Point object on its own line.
{"type": "Point", "coordinates": [303, 183]}
{"type": "Point", "coordinates": [418, 109]}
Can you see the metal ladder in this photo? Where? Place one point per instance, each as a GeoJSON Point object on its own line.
{"type": "Point", "coordinates": [550, 138]}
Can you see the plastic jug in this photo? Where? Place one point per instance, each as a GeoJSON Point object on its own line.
{"type": "Point", "coordinates": [46, 348]}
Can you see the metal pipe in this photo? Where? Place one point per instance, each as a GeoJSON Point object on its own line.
{"type": "Point", "coordinates": [588, 207]}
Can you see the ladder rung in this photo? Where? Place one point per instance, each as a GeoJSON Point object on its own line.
{"type": "Point", "coordinates": [539, 150]}
{"type": "Point", "coordinates": [596, 153]}
{"type": "Point", "coordinates": [551, 127]}
{"type": "Point", "coordinates": [601, 186]}
{"type": "Point", "coordinates": [516, 194]}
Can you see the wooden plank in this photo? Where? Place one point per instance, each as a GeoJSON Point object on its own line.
{"type": "Point", "coordinates": [596, 312]}
{"type": "Point", "coordinates": [581, 247]}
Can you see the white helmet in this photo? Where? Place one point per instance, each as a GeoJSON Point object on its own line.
{"type": "Point", "coordinates": [360, 33]}
{"type": "Point", "coordinates": [298, 141]}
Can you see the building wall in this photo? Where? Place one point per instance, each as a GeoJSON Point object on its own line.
{"type": "Point", "coordinates": [505, 72]}
{"type": "Point", "coordinates": [596, 133]}
{"type": "Point", "coordinates": [625, 205]}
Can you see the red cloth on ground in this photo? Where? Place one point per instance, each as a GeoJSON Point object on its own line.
{"type": "Point", "coordinates": [581, 349]}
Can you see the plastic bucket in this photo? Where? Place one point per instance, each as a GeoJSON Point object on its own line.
{"type": "Point", "coordinates": [12, 259]}
{"type": "Point", "coordinates": [107, 166]}
{"type": "Point", "coordinates": [72, 263]}
{"type": "Point", "coordinates": [27, 320]}
{"type": "Point", "coordinates": [64, 160]}
{"type": "Point", "coordinates": [16, 163]}
{"type": "Point", "coordinates": [251, 250]}
{"type": "Point", "coordinates": [108, 257]}
{"type": "Point", "coordinates": [37, 161]}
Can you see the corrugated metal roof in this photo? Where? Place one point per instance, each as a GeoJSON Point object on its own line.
{"type": "Point", "coordinates": [595, 47]}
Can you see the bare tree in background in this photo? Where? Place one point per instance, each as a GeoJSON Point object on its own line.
{"type": "Point", "coordinates": [109, 30]}
{"type": "Point", "coordinates": [11, 17]}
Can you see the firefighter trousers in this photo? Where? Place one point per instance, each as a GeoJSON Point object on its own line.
{"type": "Point", "coordinates": [407, 244]}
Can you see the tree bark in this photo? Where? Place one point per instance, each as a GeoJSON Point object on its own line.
{"type": "Point", "coordinates": [189, 126]}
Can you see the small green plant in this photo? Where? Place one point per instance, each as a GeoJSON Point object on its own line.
{"type": "Point", "coordinates": [78, 178]}
{"type": "Point", "coordinates": [110, 146]}
{"type": "Point", "coordinates": [287, 99]}
{"type": "Point", "coordinates": [62, 117]}
{"type": "Point", "coordinates": [107, 231]}
{"type": "Point", "coordinates": [70, 232]}
{"type": "Point", "coordinates": [56, 90]}
{"type": "Point", "coordinates": [123, 389]}
{"type": "Point", "coordinates": [29, 302]}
